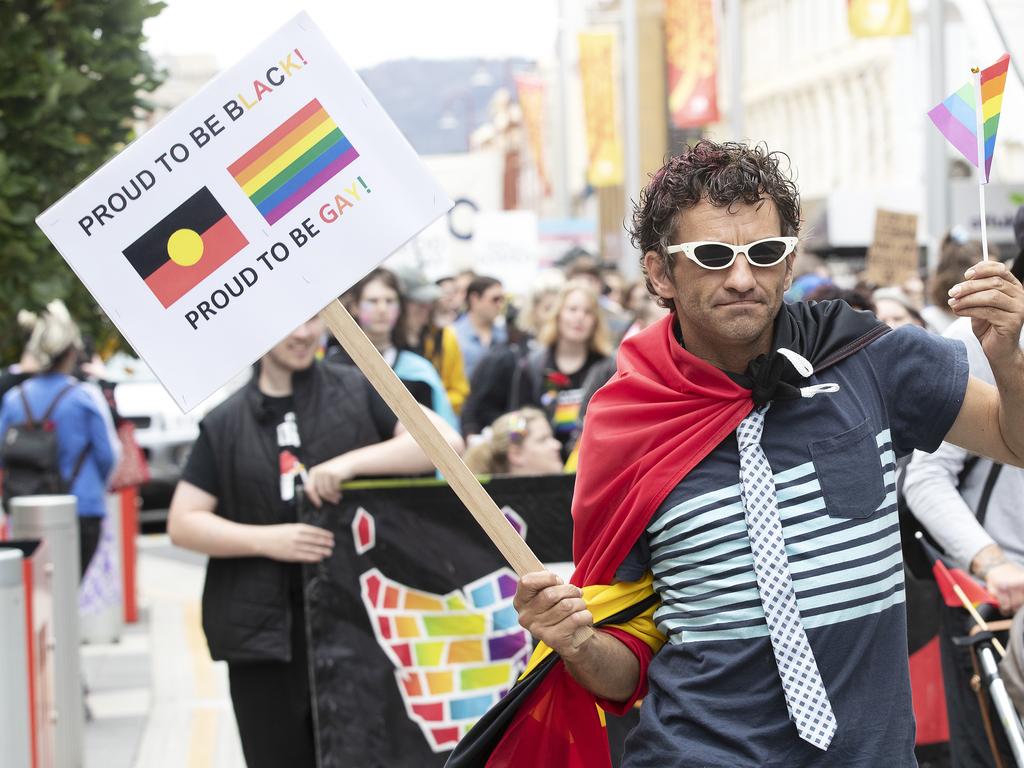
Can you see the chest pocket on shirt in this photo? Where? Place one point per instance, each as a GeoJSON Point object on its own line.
{"type": "Point", "coordinates": [850, 472]}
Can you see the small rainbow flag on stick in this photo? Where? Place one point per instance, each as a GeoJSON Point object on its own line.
{"type": "Point", "coordinates": [958, 119]}
{"type": "Point", "coordinates": [293, 161]}
{"type": "Point", "coordinates": [972, 130]}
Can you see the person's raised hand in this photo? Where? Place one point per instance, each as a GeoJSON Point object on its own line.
{"type": "Point", "coordinates": [295, 542]}
{"type": "Point", "coordinates": [551, 611]}
{"type": "Point", "coordinates": [994, 300]}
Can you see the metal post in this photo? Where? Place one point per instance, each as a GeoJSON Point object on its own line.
{"type": "Point", "coordinates": [631, 129]}
{"type": "Point", "coordinates": [101, 599]}
{"type": "Point", "coordinates": [936, 174]}
{"type": "Point", "coordinates": [15, 732]}
{"type": "Point", "coordinates": [1001, 700]}
{"type": "Point", "coordinates": [54, 519]}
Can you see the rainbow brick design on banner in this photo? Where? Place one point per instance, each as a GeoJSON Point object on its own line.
{"type": "Point", "coordinates": [455, 655]}
{"type": "Point", "coordinates": [185, 247]}
{"type": "Point", "coordinates": [956, 117]}
{"type": "Point", "coordinates": [293, 161]}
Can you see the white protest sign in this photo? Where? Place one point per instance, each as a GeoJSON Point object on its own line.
{"type": "Point", "coordinates": [244, 212]}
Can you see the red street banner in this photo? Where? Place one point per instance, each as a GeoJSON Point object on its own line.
{"type": "Point", "coordinates": [691, 50]}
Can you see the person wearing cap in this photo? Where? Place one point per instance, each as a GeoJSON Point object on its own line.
{"type": "Point", "coordinates": [86, 452]}
{"type": "Point", "coordinates": [437, 344]}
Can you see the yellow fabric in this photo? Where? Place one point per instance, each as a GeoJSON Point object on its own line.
{"type": "Point", "coordinates": [878, 18]}
{"type": "Point", "coordinates": [604, 600]}
{"type": "Point", "coordinates": [573, 461]}
{"type": "Point", "coordinates": [448, 362]}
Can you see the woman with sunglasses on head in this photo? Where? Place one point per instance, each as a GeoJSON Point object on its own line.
{"type": "Point", "coordinates": [517, 443]}
{"type": "Point", "coordinates": [574, 338]}
{"type": "Point", "coordinates": [378, 305]}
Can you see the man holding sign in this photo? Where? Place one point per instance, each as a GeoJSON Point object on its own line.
{"type": "Point", "coordinates": [238, 502]}
{"type": "Point", "coordinates": [736, 532]}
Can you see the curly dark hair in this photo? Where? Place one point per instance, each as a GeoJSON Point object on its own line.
{"type": "Point", "coordinates": [723, 174]}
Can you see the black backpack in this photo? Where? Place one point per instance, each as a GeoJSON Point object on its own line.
{"type": "Point", "coordinates": [30, 458]}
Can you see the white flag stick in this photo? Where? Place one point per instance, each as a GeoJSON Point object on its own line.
{"type": "Point", "coordinates": [979, 122]}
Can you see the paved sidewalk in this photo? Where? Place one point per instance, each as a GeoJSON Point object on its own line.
{"type": "Point", "coordinates": [156, 699]}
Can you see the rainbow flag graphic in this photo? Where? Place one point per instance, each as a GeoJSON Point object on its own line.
{"type": "Point", "coordinates": [455, 655]}
{"type": "Point", "coordinates": [958, 120]}
{"type": "Point", "coordinates": [293, 161]}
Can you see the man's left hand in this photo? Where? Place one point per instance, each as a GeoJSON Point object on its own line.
{"type": "Point", "coordinates": [994, 300]}
{"type": "Point", "coordinates": [325, 480]}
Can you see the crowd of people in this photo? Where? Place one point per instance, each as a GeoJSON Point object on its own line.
{"type": "Point", "coordinates": [509, 382]}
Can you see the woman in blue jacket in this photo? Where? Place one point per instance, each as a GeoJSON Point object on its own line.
{"type": "Point", "coordinates": [85, 451]}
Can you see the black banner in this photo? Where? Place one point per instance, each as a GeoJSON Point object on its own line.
{"type": "Point", "coordinates": [411, 626]}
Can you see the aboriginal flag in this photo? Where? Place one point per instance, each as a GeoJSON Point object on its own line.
{"type": "Point", "coordinates": [185, 247]}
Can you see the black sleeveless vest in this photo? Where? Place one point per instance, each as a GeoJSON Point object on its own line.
{"type": "Point", "coordinates": [246, 610]}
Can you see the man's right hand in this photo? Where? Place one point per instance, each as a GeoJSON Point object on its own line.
{"type": "Point", "coordinates": [295, 542]}
{"type": "Point", "coordinates": [552, 611]}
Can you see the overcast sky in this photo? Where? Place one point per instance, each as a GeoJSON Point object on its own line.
{"type": "Point", "coordinates": [365, 33]}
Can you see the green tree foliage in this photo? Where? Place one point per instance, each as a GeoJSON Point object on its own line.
{"type": "Point", "coordinates": [73, 76]}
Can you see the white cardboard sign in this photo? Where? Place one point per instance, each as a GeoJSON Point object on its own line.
{"type": "Point", "coordinates": [244, 212]}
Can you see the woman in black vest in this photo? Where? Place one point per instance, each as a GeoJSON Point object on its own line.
{"type": "Point", "coordinates": [237, 502]}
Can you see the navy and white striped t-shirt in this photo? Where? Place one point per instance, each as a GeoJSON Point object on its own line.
{"type": "Point", "coordinates": [715, 697]}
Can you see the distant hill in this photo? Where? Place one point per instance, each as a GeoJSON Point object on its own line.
{"type": "Point", "coordinates": [437, 103]}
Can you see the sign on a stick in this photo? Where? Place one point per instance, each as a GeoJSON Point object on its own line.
{"type": "Point", "coordinates": [244, 212]}
{"type": "Point", "coordinates": [893, 255]}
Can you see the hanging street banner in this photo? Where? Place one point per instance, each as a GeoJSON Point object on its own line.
{"type": "Point", "coordinates": [531, 94]}
{"type": "Point", "coordinates": [691, 50]}
{"type": "Point", "coordinates": [878, 18]}
{"type": "Point", "coordinates": [599, 64]}
{"type": "Point", "coordinates": [244, 212]}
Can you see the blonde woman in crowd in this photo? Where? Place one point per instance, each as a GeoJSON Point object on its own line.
{"type": "Point", "coordinates": [517, 443]}
{"type": "Point", "coordinates": [574, 339]}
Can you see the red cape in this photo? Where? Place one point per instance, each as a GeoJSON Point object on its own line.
{"type": "Point", "coordinates": [662, 413]}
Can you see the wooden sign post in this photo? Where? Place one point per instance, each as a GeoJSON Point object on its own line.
{"type": "Point", "coordinates": [486, 513]}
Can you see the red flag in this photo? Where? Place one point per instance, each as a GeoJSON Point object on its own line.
{"type": "Point", "coordinates": [946, 578]}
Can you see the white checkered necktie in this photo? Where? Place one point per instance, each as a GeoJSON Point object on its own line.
{"type": "Point", "coordinates": [806, 698]}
